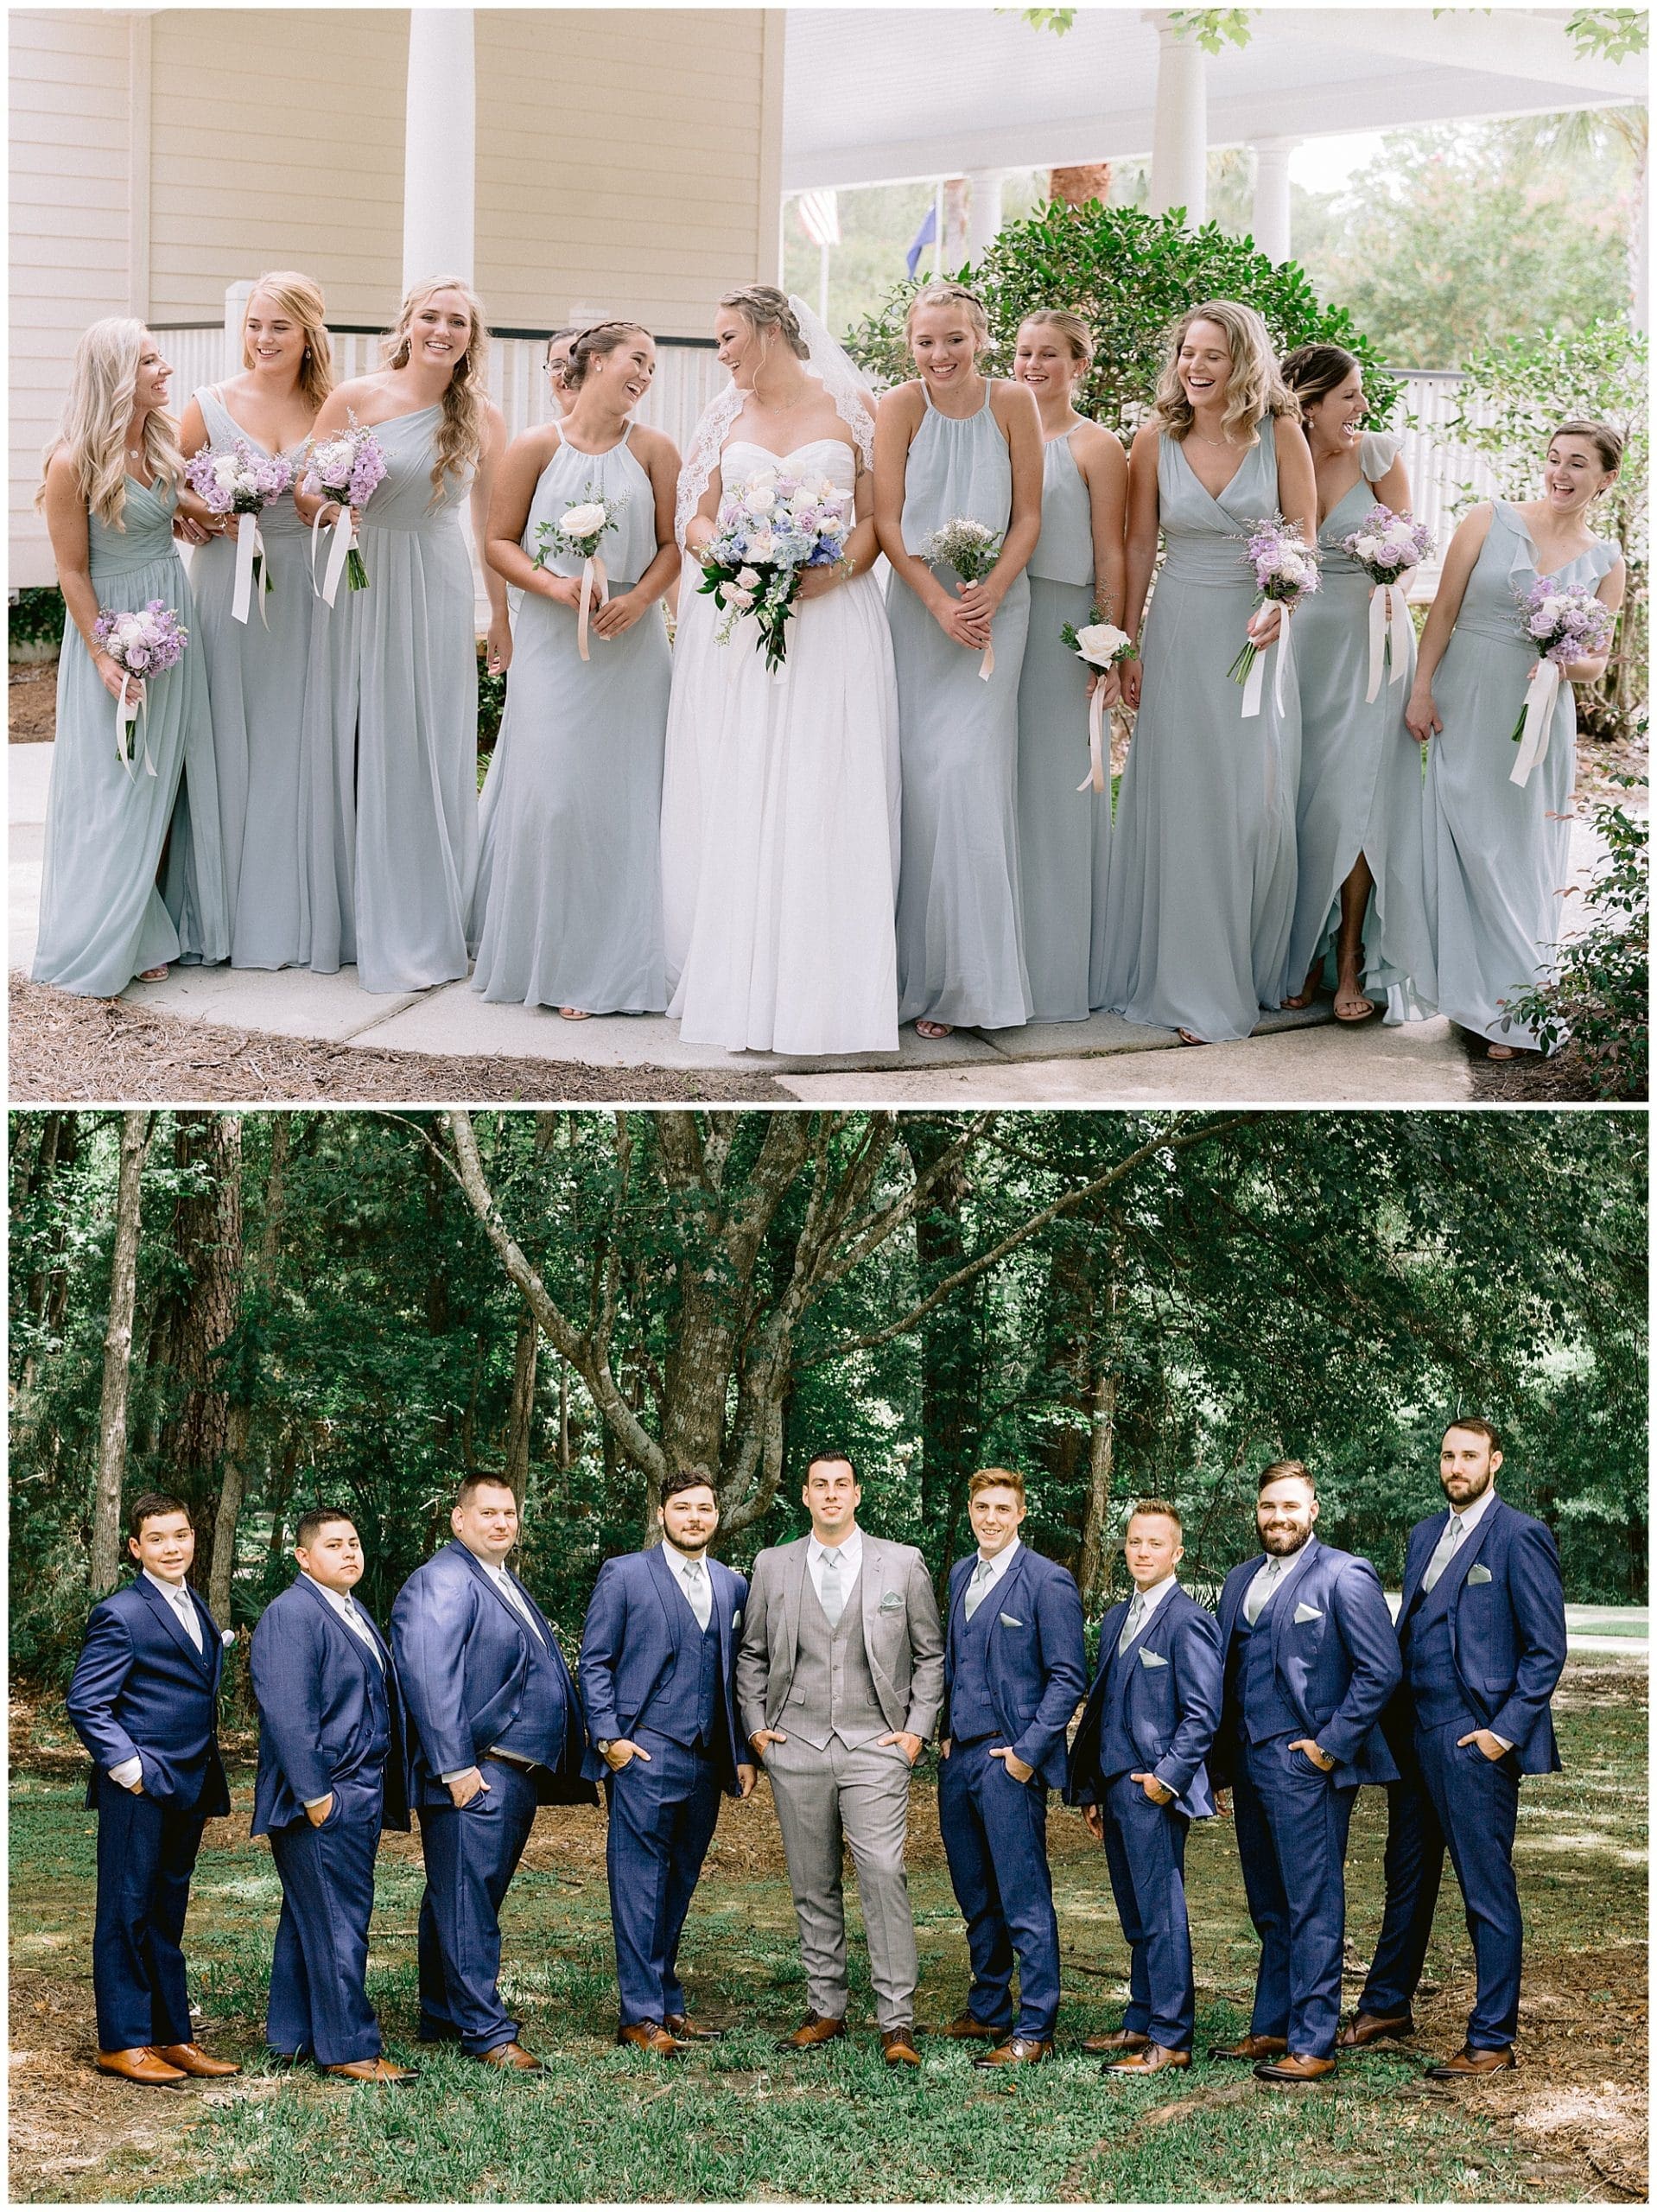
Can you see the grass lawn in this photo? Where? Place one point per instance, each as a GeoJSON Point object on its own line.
{"type": "Point", "coordinates": [734, 2120]}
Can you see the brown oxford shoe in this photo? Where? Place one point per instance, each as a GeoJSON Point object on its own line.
{"type": "Point", "coordinates": [964, 2029]}
{"type": "Point", "coordinates": [141, 2066]}
{"type": "Point", "coordinates": [386, 2071]}
{"type": "Point", "coordinates": [1369, 2027]}
{"type": "Point", "coordinates": [812, 2031]}
{"type": "Point", "coordinates": [1153, 2059]}
{"type": "Point", "coordinates": [684, 2030]}
{"type": "Point", "coordinates": [1467, 2065]}
{"type": "Point", "coordinates": [1293, 2070]}
{"type": "Point", "coordinates": [1253, 2048]}
{"type": "Point", "coordinates": [898, 2047]}
{"type": "Point", "coordinates": [649, 2035]}
{"type": "Point", "coordinates": [1119, 2039]}
{"type": "Point", "coordinates": [511, 2057]}
{"type": "Point", "coordinates": [1018, 2051]}
{"type": "Point", "coordinates": [190, 2058]}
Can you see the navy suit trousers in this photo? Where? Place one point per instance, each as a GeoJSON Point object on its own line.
{"type": "Point", "coordinates": [661, 1819]}
{"type": "Point", "coordinates": [472, 1853]}
{"type": "Point", "coordinates": [994, 1834]}
{"type": "Point", "coordinates": [1471, 1803]}
{"type": "Point", "coordinates": [1292, 1830]}
{"type": "Point", "coordinates": [318, 2000]}
{"type": "Point", "coordinates": [1145, 1850]}
{"type": "Point", "coordinates": [146, 1855]}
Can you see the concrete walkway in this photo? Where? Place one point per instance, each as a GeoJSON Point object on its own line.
{"type": "Point", "coordinates": [1293, 1059]}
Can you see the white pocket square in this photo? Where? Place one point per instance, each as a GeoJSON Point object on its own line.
{"type": "Point", "coordinates": [1010, 1620]}
{"type": "Point", "coordinates": [1151, 1659]}
{"type": "Point", "coordinates": [1478, 1575]}
{"type": "Point", "coordinates": [736, 1618]}
{"type": "Point", "coordinates": [1306, 1613]}
{"type": "Point", "coordinates": [892, 1602]}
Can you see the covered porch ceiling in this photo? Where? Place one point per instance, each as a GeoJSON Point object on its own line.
{"type": "Point", "coordinates": [886, 95]}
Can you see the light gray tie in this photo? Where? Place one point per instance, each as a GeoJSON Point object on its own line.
{"type": "Point", "coordinates": [509, 1591]}
{"type": "Point", "coordinates": [1260, 1589]}
{"type": "Point", "coordinates": [1443, 1551]}
{"type": "Point", "coordinates": [693, 1575]}
{"type": "Point", "coordinates": [833, 1597]}
{"type": "Point", "coordinates": [185, 1612]}
{"type": "Point", "coordinates": [360, 1628]}
{"type": "Point", "coordinates": [1131, 1625]}
{"type": "Point", "coordinates": [978, 1588]}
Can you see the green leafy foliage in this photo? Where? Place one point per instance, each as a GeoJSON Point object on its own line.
{"type": "Point", "coordinates": [35, 616]}
{"type": "Point", "coordinates": [1609, 33]}
{"type": "Point", "coordinates": [1131, 275]}
{"type": "Point", "coordinates": [492, 701]}
{"type": "Point", "coordinates": [1212, 28]}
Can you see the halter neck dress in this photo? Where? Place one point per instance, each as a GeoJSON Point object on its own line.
{"type": "Point", "coordinates": [103, 920]}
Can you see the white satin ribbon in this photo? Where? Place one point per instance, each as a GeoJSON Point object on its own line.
{"type": "Point", "coordinates": [1385, 626]}
{"type": "Point", "coordinates": [250, 548]}
{"type": "Point", "coordinates": [1285, 655]}
{"type": "Point", "coordinates": [1539, 702]}
{"type": "Point", "coordinates": [127, 712]}
{"type": "Point", "coordinates": [1094, 778]}
{"type": "Point", "coordinates": [986, 665]}
{"type": "Point", "coordinates": [594, 579]}
{"type": "Point", "coordinates": [1254, 684]}
{"type": "Point", "coordinates": [344, 529]}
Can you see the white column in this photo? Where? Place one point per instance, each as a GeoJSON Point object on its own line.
{"type": "Point", "coordinates": [236, 296]}
{"type": "Point", "coordinates": [1179, 142]}
{"type": "Point", "coordinates": [983, 212]}
{"type": "Point", "coordinates": [1272, 196]}
{"type": "Point", "coordinates": [439, 146]}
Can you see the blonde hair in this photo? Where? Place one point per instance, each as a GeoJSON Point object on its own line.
{"type": "Point", "coordinates": [767, 309]}
{"type": "Point", "coordinates": [96, 413]}
{"type": "Point", "coordinates": [299, 298]}
{"type": "Point", "coordinates": [460, 439]}
{"type": "Point", "coordinates": [1255, 390]}
{"type": "Point", "coordinates": [940, 295]}
{"type": "Point", "coordinates": [1070, 327]}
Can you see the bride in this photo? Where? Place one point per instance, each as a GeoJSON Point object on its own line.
{"type": "Point", "coordinates": [780, 805]}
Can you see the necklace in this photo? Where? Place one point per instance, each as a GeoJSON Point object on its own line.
{"type": "Point", "coordinates": [1221, 445]}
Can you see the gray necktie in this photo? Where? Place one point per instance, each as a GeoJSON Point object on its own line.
{"type": "Point", "coordinates": [509, 1591]}
{"type": "Point", "coordinates": [833, 1597]}
{"type": "Point", "coordinates": [1260, 1589]}
{"type": "Point", "coordinates": [185, 1611]}
{"type": "Point", "coordinates": [978, 1588]}
{"type": "Point", "coordinates": [1443, 1551]}
{"type": "Point", "coordinates": [693, 1575]}
{"type": "Point", "coordinates": [1131, 1625]}
{"type": "Point", "coordinates": [359, 1627]}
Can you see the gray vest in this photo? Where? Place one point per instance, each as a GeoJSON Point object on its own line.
{"type": "Point", "coordinates": [832, 1692]}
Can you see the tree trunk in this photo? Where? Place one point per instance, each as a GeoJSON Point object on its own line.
{"type": "Point", "coordinates": [1076, 186]}
{"type": "Point", "coordinates": [117, 1356]}
{"type": "Point", "coordinates": [199, 1316]}
{"type": "Point", "coordinates": [521, 1426]}
{"type": "Point", "coordinates": [1095, 1571]}
{"type": "Point", "coordinates": [949, 1428]}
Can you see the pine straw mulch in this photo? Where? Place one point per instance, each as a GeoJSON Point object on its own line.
{"type": "Point", "coordinates": [32, 702]}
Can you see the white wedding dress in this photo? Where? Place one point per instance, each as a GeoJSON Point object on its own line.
{"type": "Point", "coordinates": [780, 814]}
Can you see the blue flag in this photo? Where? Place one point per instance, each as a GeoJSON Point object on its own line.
{"type": "Point", "coordinates": [922, 238]}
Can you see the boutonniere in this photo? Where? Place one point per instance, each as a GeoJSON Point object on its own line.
{"type": "Point", "coordinates": [227, 1637]}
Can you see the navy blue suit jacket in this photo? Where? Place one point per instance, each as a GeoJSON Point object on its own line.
{"type": "Point", "coordinates": [1038, 1657]}
{"type": "Point", "coordinates": [636, 1628]}
{"type": "Point", "coordinates": [1171, 1710]}
{"type": "Point", "coordinates": [1507, 1624]}
{"type": "Point", "coordinates": [311, 1679]}
{"type": "Point", "coordinates": [463, 1658]}
{"type": "Point", "coordinates": [1336, 1664]}
{"type": "Point", "coordinates": [141, 1686]}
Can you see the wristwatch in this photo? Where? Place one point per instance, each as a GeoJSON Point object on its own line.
{"type": "Point", "coordinates": [602, 1745]}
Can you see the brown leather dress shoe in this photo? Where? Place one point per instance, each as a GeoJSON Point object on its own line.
{"type": "Point", "coordinates": [964, 2029]}
{"type": "Point", "coordinates": [1119, 2039]}
{"type": "Point", "coordinates": [511, 2057]}
{"type": "Point", "coordinates": [1253, 2048]}
{"type": "Point", "coordinates": [1369, 2027]}
{"type": "Point", "coordinates": [386, 2071]}
{"type": "Point", "coordinates": [649, 2035]}
{"type": "Point", "coordinates": [1293, 2070]}
{"type": "Point", "coordinates": [898, 2047]}
{"type": "Point", "coordinates": [1152, 2060]}
{"type": "Point", "coordinates": [1018, 2051]}
{"type": "Point", "coordinates": [683, 2029]}
{"type": "Point", "coordinates": [815, 2030]}
{"type": "Point", "coordinates": [190, 2058]}
{"type": "Point", "coordinates": [141, 2066]}
{"type": "Point", "coordinates": [1467, 2065]}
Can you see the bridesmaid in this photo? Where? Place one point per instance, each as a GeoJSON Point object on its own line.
{"type": "Point", "coordinates": [568, 907]}
{"type": "Point", "coordinates": [1203, 872]}
{"type": "Point", "coordinates": [556, 363]}
{"type": "Point", "coordinates": [391, 780]}
{"type": "Point", "coordinates": [110, 489]}
{"type": "Point", "coordinates": [1498, 855]}
{"type": "Point", "coordinates": [953, 444]}
{"type": "Point", "coordinates": [256, 674]}
{"type": "Point", "coordinates": [1358, 825]}
{"type": "Point", "coordinates": [1078, 564]}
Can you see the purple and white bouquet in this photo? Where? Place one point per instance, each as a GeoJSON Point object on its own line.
{"type": "Point", "coordinates": [1565, 623]}
{"type": "Point", "coordinates": [1385, 546]}
{"type": "Point", "coordinates": [577, 535]}
{"type": "Point", "coordinates": [345, 468]}
{"type": "Point", "coordinates": [1102, 645]}
{"type": "Point", "coordinates": [971, 549]}
{"type": "Point", "coordinates": [242, 482]}
{"type": "Point", "coordinates": [766, 535]}
{"type": "Point", "coordinates": [1286, 569]}
{"type": "Point", "coordinates": [144, 642]}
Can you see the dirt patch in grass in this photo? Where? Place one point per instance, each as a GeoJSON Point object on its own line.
{"type": "Point", "coordinates": [32, 702]}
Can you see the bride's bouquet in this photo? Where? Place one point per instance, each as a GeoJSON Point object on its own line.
{"type": "Point", "coordinates": [971, 549]}
{"type": "Point", "coordinates": [1102, 645]}
{"type": "Point", "coordinates": [1565, 623]}
{"type": "Point", "coordinates": [766, 537]}
{"type": "Point", "coordinates": [1286, 569]}
{"type": "Point", "coordinates": [345, 468]}
{"type": "Point", "coordinates": [243, 482]}
{"type": "Point", "coordinates": [144, 642]}
{"type": "Point", "coordinates": [577, 535]}
{"type": "Point", "coordinates": [1385, 544]}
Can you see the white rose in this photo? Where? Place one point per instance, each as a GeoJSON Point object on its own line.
{"type": "Point", "coordinates": [224, 469]}
{"type": "Point", "coordinates": [1100, 642]}
{"type": "Point", "coordinates": [1368, 549]}
{"type": "Point", "coordinates": [761, 544]}
{"type": "Point", "coordinates": [761, 498]}
{"type": "Point", "coordinates": [583, 521]}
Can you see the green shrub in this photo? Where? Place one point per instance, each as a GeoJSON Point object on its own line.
{"type": "Point", "coordinates": [1130, 276]}
{"type": "Point", "coordinates": [35, 616]}
{"type": "Point", "coordinates": [492, 701]}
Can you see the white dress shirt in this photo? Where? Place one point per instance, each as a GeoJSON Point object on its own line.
{"type": "Point", "coordinates": [848, 1552]}
{"type": "Point", "coordinates": [129, 1772]}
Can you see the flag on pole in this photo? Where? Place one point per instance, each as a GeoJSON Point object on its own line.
{"type": "Point", "coordinates": [820, 217]}
{"type": "Point", "coordinates": [923, 238]}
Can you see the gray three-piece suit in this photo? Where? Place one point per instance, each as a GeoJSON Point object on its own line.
{"type": "Point", "coordinates": [834, 1692]}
